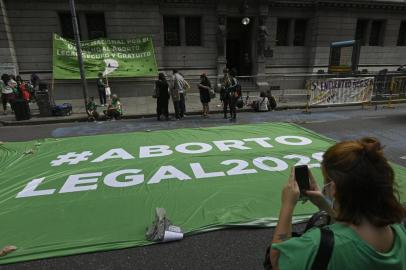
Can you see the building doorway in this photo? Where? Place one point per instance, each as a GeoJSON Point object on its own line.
{"type": "Point", "coordinates": [239, 51]}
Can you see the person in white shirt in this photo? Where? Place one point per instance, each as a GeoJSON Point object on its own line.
{"type": "Point", "coordinates": [7, 94]}
{"type": "Point", "coordinates": [180, 85]}
{"type": "Point", "coordinates": [262, 102]}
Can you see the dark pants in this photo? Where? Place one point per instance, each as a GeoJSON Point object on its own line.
{"type": "Point", "coordinates": [4, 101]}
{"type": "Point", "coordinates": [93, 115]}
{"type": "Point", "coordinates": [102, 96]}
{"type": "Point", "coordinates": [7, 98]}
{"type": "Point", "coordinates": [112, 113]}
{"type": "Point", "coordinates": [233, 110]}
{"type": "Point", "coordinates": [225, 106]}
{"type": "Point", "coordinates": [176, 106]}
{"type": "Point", "coordinates": [162, 107]}
{"type": "Point", "coordinates": [182, 106]}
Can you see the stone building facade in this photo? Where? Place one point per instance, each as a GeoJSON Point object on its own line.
{"type": "Point", "coordinates": [195, 36]}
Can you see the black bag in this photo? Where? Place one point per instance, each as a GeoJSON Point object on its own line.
{"type": "Point", "coordinates": [239, 103]}
{"type": "Point", "coordinates": [21, 109]}
{"type": "Point", "coordinates": [320, 219]}
{"type": "Point", "coordinates": [62, 110]}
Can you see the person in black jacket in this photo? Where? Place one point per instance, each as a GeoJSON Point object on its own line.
{"type": "Point", "coordinates": [234, 95]}
{"type": "Point", "coordinates": [204, 89]}
{"type": "Point", "coordinates": [226, 82]}
{"type": "Point", "coordinates": [162, 94]}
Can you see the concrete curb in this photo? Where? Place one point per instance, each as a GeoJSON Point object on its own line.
{"type": "Point", "coordinates": [83, 118]}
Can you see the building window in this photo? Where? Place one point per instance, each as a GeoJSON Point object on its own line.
{"type": "Point", "coordinates": [377, 31]}
{"type": "Point", "coordinates": [300, 32]}
{"type": "Point", "coordinates": [402, 34]}
{"type": "Point", "coordinates": [361, 31]}
{"type": "Point", "coordinates": [65, 20]}
{"type": "Point", "coordinates": [282, 32]}
{"type": "Point", "coordinates": [193, 31]}
{"type": "Point", "coordinates": [370, 32]}
{"type": "Point", "coordinates": [171, 31]}
{"type": "Point", "coordinates": [96, 25]}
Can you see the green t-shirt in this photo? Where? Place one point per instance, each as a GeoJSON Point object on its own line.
{"type": "Point", "coordinates": [91, 106]}
{"type": "Point", "coordinates": [117, 105]}
{"type": "Point", "coordinates": [350, 251]}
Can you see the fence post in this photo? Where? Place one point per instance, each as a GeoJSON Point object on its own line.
{"type": "Point", "coordinates": [307, 108]}
{"type": "Point", "coordinates": [390, 105]}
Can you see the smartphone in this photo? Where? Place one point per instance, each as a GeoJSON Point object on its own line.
{"type": "Point", "coordinates": [302, 178]}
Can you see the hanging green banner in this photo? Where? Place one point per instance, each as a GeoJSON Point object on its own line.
{"type": "Point", "coordinates": [112, 57]}
{"type": "Point", "coordinates": [92, 193]}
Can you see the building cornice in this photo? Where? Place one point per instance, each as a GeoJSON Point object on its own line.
{"type": "Point", "coordinates": [386, 5]}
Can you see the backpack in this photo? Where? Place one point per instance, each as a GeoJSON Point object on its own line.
{"type": "Point", "coordinates": [62, 110]}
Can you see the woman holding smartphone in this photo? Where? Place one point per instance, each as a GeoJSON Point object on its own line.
{"type": "Point", "coordinates": [360, 194]}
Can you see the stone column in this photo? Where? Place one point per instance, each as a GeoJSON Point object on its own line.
{"type": "Point", "coordinates": [8, 59]}
{"type": "Point", "coordinates": [262, 37]}
{"type": "Point", "coordinates": [221, 39]}
{"type": "Point", "coordinates": [318, 49]}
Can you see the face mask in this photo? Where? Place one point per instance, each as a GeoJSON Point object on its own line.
{"type": "Point", "coordinates": [327, 197]}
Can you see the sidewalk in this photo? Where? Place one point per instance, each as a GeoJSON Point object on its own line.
{"type": "Point", "coordinates": [133, 107]}
{"type": "Point", "coordinates": [143, 107]}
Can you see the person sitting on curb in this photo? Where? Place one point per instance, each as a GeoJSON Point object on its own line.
{"type": "Point", "coordinates": [261, 104]}
{"type": "Point", "coordinates": [91, 109]}
{"type": "Point", "coordinates": [361, 195]}
{"type": "Point", "coordinates": [6, 250]}
{"type": "Point", "coordinates": [114, 109]}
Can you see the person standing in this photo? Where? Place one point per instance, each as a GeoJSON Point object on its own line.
{"type": "Point", "coordinates": [234, 95]}
{"type": "Point", "coordinates": [180, 85]}
{"type": "Point", "coordinates": [176, 101]}
{"type": "Point", "coordinates": [204, 89]}
{"type": "Point", "coordinates": [6, 92]}
{"type": "Point", "coordinates": [225, 91]}
{"type": "Point", "coordinates": [34, 81]}
{"type": "Point", "coordinates": [162, 95]}
{"type": "Point", "coordinates": [101, 87]}
{"type": "Point", "coordinates": [24, 93]}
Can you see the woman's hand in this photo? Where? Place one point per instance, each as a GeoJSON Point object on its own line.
{"type": "Point", "coordinates": [291, 192]}
{"type": "Point", "coordinates": [314, 193]}
{"type": "Point", "coordinates": [316, 196]}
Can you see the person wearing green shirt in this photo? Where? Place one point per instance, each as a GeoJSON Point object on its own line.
{"type": "Point", "coordinates": [91, 109]}
{"type": "Point", "coordinates": [115, 109]}
{"type": "Point", "coordinates": [360, 194]}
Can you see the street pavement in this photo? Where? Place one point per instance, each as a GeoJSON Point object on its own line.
{"type": "Point", "coordinates": [235, 248]}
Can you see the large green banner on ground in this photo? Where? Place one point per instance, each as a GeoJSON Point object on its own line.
{"type": "Point", "coordinates": [113, 57]}
{"type": "Point", "coordinates": [91, 193]}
